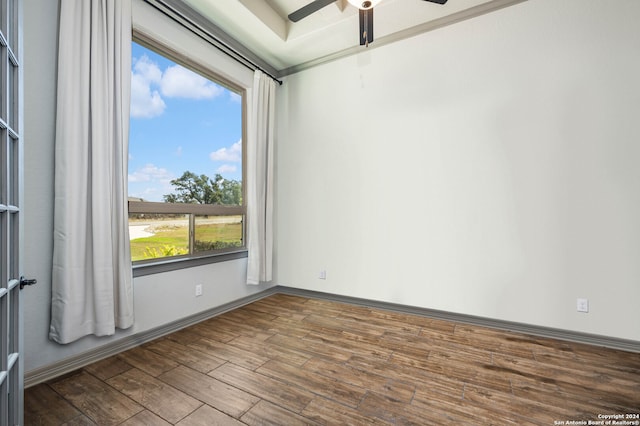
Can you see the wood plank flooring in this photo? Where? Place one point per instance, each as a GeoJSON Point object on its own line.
{"type": "Point", "coordinates": [288, 360]}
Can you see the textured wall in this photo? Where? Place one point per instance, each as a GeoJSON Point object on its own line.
{"type": "Point", "coordinates": [487, 168]}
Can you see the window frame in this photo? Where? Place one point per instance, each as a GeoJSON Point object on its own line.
{"type": "Point", "coordinates": [168, 263]}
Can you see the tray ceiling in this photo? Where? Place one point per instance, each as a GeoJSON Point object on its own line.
{"type": "Point", "coordinates": [262, 25]}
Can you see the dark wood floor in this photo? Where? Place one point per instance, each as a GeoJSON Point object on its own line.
{"type": "Point", "coordinates": [289, 360]}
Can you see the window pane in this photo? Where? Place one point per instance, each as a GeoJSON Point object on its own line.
{"type": "Point", "coordinates": [217, 232]}
{"type": "Point", "coordinates": [158, 235]}
{"type": "Point", "coordinates": [12, 10]}
{"type": "Point", "coordinates": [185, 147]}
{"type": "Point", "coordinates": [185, 139]}
{"type": "Point", "coordinates": [12, 172]}
{"type": "Point", "coordinates": [4, 148]}
{"type": "Point", "coordinates": [4, 65]}
{"type": "Point", "coordinates": [12, 83]}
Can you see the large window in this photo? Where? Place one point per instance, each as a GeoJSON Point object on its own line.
{"type": "Point", "coordinates": [186, 197]}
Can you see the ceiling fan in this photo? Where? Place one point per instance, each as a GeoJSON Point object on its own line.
{"type": "Point", "coordinates": [365, 10]}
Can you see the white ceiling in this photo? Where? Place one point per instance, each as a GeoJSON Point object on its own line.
{"type": "Point", "coordinates": [263, 27]}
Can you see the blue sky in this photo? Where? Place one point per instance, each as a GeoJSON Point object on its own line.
{"type": "Point", "coordinates": [179, 121]}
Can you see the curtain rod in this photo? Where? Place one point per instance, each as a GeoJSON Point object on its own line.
{"type": "Point", "coordinates": [204, 34]}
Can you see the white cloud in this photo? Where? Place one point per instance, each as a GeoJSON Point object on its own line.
{"type": "Point", "coordinates": [148, 69]}
{"type": "Point", "coordinates": [226, 168]}
{"type": "Point", "coordinates": [151, 173]}
{"type": "Point", "coordinates": [232, 154]}
{"type": "Point", "coordinates": [145, 102]}
{"type": "Point", "coordinates": [149, 84]}
{"type": "Point", "coordinates": [234, 97]}
{"type": "Point", "coordinates": [179, 82]}
{"type": "Point", "coordinates": [179, 151]}
{"type": "Point", "coordinates": [150, 182]}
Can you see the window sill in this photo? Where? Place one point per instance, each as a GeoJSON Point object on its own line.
{"type": "Point", "coordinates": [141, 270]}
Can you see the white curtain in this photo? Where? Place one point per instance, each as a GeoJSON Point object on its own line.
{"type": "Point", "coordinates": [260, 180]}
{"type": "Point", "coordinates": [92, 289]}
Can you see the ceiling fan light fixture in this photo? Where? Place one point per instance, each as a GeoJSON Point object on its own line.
{"type": "Point", "coordinates": [364, 4]}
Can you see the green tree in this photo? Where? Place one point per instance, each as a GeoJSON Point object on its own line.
{"type": "Point", "coordinates": [231, 192]}
{"type": "Point", "coordinates": [201, 189]}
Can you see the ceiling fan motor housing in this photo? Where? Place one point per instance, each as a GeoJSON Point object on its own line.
{"type": "Point", "coordinates": [364, 4]}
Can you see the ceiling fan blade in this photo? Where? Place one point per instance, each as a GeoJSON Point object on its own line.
{"type": "Point", "coordinates": [437, 1]}
{"type": "Point", "coordinates": [307, 10]}
{"type": "Point", "coordinates": [366, 26]}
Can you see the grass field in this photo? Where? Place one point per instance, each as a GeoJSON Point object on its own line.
{"type": "Point", "coordinates": [174, 240]}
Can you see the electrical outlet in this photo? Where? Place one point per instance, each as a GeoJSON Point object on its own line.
{"type": "Point", "coordinates": [323, 274]}
{"type": "Point", "coordinates": [198, 290]}
{"type": "Point", "coordinates": [583, 304]}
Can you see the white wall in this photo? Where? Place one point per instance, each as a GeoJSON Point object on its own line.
{"type": "Point", "coordinates": [487, 168]}
{"type": "Point", "coordinates": [159, 299]}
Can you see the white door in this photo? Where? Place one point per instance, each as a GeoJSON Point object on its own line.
{"type": "Point", "coordinates": [11, 148]}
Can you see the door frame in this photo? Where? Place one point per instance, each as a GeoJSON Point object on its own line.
{"type": "Point", "coordinates": [11, 213]}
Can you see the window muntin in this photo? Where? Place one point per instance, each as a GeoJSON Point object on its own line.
{"type": "Point", "coordinates": [186, 160]}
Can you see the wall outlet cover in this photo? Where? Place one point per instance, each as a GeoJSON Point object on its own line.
{"type": "Point", "coordinates": [582, 305]}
